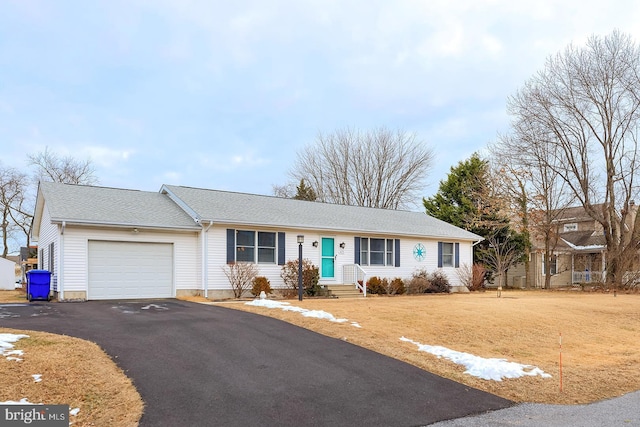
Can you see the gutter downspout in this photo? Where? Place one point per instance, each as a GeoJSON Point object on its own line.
{"type": "Point", "coordinates": [473, 246]}
{"type": "Point", "coordinates": [205, 256]}
{"type": "Point", "coordinates": [61, 263]}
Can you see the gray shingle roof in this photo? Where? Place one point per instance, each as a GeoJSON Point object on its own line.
{"type": "Point", "coordinates": [112, 206]}
{"type": "Point", "coordinates": [250, 209]}
{"type": "Point", "coordinates": [584, 238]}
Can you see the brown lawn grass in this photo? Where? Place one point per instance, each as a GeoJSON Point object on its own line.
{"type": "Point", "coordinates": [74, 372]}
{"type": "Point", "coordinates": [13, 296]}
{"type": "Point", "coordinates": [600, 336]}
{"type": "Point", "coordinates": [599, 348]}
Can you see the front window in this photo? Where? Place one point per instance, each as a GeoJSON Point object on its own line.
{"type": "Point", "coordinates": [256, 247]}
{"type": "Point", "coordinates": [376, 251]}
{"type": "Point", "coordinates": [447, 254]}
{"type": "Point", "coordinates": [266, 247]}
{"type": "Point", "coordinates": [364, 251]}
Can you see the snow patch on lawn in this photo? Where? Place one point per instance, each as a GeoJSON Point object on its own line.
{"type": "Point", "coordinates": [23, 401]}
{"type": "Point", "coordinates": [6, 346]}
{"type": "Point", "coordinates": [487, 369]}
{"type": "Point", "coordinates": [285, 306]}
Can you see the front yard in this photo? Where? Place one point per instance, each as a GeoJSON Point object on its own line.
{"type": "Point", "coordinates": [600, 352]}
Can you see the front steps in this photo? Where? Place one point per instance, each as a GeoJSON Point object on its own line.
{"type": "Point", "coordinates": [344, 291]}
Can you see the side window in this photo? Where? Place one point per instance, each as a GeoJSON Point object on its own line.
{"type": "Point", "coordinates": [52, 259]}
{"type": "Point", "coordinates": [447, 254]}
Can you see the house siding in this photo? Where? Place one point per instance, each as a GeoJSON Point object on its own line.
{"type": "Point", "coordinates": [49, 233]}
{"type": "Point", "coordinates": [76, 250]}
{"type": "Point", "coordinates": [217, 256]}
{"type": "Point", "coordinates": [201, 254]}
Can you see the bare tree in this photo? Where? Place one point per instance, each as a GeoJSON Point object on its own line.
{"type": "Point", "coordinates": [585, 104]}
{"type": "Point", "coordinates": [379, 168]}
{"type": "Point", "coordinates": [68, 170]}
{"type": "Point", "coordinates": [538, 195]}
{"type": "Point", "coordinates": [240, 275]}
{"type": "Point", "coordinates": [286, 191]}
{"type": "Point", "coordinates": [504, 245]}
{"type": "Point", "coordinates": [12, 189]}
{"type": "Point", "coordinates": [505, 249]}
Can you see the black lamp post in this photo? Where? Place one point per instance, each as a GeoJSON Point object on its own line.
{"type": "Point", "coordinates": [300, 242]}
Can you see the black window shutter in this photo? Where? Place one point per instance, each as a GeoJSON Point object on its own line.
{"type": "Point", "coordinates": [397, 252]}
{"type": "Point", "coordinates": [439, 254]}
{"type": "Point", "coordinates": [356, 250]}
{"type": "Point", "coordinates": [281, 245]}
{"type": "Point", "coordinates": [457, 255]}
{"type": "Point", "coordinates": [231, 245]}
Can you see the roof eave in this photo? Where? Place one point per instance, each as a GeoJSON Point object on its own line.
{"type": "Point", "coordinates": [89, 223]}
{"type": "Point", "coordinates": [181, 204]}
{"type": "Point", "coordinates": [471, 238]}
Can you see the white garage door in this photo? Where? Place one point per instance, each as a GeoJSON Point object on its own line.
{"type": "Point", "coordinates": [126, 270]}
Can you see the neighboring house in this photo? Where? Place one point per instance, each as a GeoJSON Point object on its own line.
{"type": "Point", "coordinates": [106, 243]}
{"type": "Point", "coordinates": [579, 255]}
{"type": "Point", "coordinates": [7, 274]}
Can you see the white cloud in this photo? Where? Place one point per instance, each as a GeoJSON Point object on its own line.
{"type": "Point", "coordinates": [105, 156]}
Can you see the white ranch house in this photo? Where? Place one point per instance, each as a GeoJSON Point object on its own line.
{"type": "Point", "coordinates": [108, 243]}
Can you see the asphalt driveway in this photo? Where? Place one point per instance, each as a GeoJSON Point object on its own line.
{"type": "Point", "coordinates": [200, 365]}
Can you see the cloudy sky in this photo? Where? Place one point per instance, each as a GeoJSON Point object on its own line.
{"type": "Point", "coordinates": [224, 94]}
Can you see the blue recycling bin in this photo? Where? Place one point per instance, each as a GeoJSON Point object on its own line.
{"type": "Point", "coordinates": [38, 285]}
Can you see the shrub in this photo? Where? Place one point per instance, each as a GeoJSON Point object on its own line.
{"type": "Point", "coordinates": [419, 282]}
{"type": "Point", "coordinates": [310, 277]}
{"type": "Point", "coordinates": [396, 287]}
{"type": "Point", "coordinates": [375, 285]}
{"type": "Point", "coordinates": [260, 284]}
{"type": "Point", "coordinates": [240, 275]}
{"type": "Point", "coordinates": [479, 273]}
{"type": "Point", "coordinates": [423, 282]}
{"type": "Point", "coordinates": [439, 283]}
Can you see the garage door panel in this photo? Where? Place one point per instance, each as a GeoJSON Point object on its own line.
{"type": "Point", "coordinates": [130, 270]}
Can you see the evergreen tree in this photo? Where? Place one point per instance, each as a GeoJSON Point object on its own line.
{"type": "Point", "coordinates": [464, 198]}
{"type": "Point", "coordinates": [305, 192]}
{"type": "Point", "coordinates": [467, 199]}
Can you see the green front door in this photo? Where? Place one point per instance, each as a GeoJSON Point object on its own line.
{"type": "Point", "coordinates": [328, 258]}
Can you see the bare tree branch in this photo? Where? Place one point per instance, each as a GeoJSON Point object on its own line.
{"type": "Point", "coordinates": [379, 168]}
{"type": "Point", "coordinates": [583, 110]}
{"type": "Point", "coordinates": [68, 170]}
